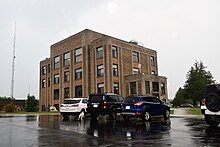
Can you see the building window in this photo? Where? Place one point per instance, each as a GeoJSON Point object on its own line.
{"type": "Point", "coordinates": [56, 62]}
{"type": "Point", "coordinates": [56, 78]}
{"type": "Point", "coordinates": [100, 70]}
{"type": "Point", "coordinates": [147, 86]}
{"type": "Point", "coordinates": [163, 88]}
{"type": "Point", "coordinates": [66, 59]}
{"type": "Point", "coordinates": [136, 71]}
{"type": "Point", "coordinates": [56, 94]}
{"type": "Point", "coordinates": [152, 61]}
{"type": "Point", "coordinates": [133, 88]}
{"type": "Point", "coordinates": [100, 88]}
{"type": "Point", "coordinates": [135, 56]}
{"type": "Point", "coordinates": [116, 88]}
{"type": "Point", "coordinates": [66, 92]}
{"type": "Point", "coordinates": [78, 55]}
{"type": "Point", "coordinates": [99, 52]}
{"type": "Point", "coordinates": [114, 52]}
{"type": "Point", "coordinates": [115, 69]}
{"type": "Point", "coordinates": [48, 68]}
{"type": "Point", "coordinates": [66, 76]}
{"type": "Point", "coordinates": [78, 91]}
{"type": "Point", "coordinates": [78, 73]}
{"type": "Point", "coordinates": [155, 86]}
{"type": "Point", "coordinates": [43, 83]}
{"type": "Point", "coordinates": [48, 82]}
{"type": "Point", "coordinates": [44, 70]}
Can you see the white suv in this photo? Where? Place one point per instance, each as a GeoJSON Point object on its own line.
{"type": "Point", "coordinates": [210, 105]}
{"type": "Point", "coordinates": [73, 106]}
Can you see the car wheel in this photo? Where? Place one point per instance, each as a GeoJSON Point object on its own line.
{"type": "Point", "coordinates": [113, 114]}
{"type": "Point", "coordinates": [167, 114]}
{"type": "Point", "coordinates": [126, 118]}
{"type": "Point", "coordinates": [93, 116]}
{"type": "Point", "coordinates": [146, 116]}
{"type": "Point", "coordinates": [213, 102]}
{"type": "Point", "coordinates": [212, 120]}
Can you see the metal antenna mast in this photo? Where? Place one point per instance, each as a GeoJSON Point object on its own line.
{"type": "Point", "coordinates": [13, 66]}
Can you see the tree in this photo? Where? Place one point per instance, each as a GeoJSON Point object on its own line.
{"type": "Point", "coordinates": [31, 104]}
{"type": "Point", "coordinates": [193, 90]}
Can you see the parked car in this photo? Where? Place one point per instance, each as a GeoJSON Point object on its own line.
{"type": "Point", "coordinates": [186, 105]}
{"type": "Point", "coordinates": [73, 106]}
{"type": "Point", "coordinates": [104, 104]}
{"type": "Point", "coordinates": [144, 107]}
{"type": "Point", "coordinates": [210, 105]}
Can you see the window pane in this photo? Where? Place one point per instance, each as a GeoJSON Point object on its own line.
{"type": "Point", "coordinates": [66, 92]}
{"type": "Point", "coordinates": [116, 88]}
{"type": "Point", "coordinates": [135, 56]}
{"type": "Point", "coordinates": [133, 88]}
{"type": "Point", "coordinates": [114, 52]}
{"type": "Point", "coordinates": [99, 52]}
{"type": "Point", "coordinates": [67, 59]}
{"type": "Point", "coordinates": [100, 70]}
{"type": "Point", "coordinates": [56, 62]}
{"type": "Point", "coordinates": [136, 71]}
{"type": "Point", "coordinates": [163, 88]}
{"type": "Point", "coordinates": [101, 88]}
{"type": "Point", "coordinates": [152, 61]}
{"type": "Point", "coordinates": [115, 69]}
{"type": "Point", "coordinates": [78, 73]}
{"type": "Point", "coordinates": [44, 70]}
{"type": "Point", "coordinates": [43, 83]}
{"type": "Point", "coordinates": [155, 86]}
{"type": "Point", "coordinates": [56, 94]}
{"type": "Point", "coordinates": [78, 91]}
{"type": "Point", "coordinates": [56, 78]}
{"type": "Point", "coordinates": [147, 86]}
{"type": "Point", "coordinates": [78, 55]}
{"type": "Point", "coordinates": [66, 76]}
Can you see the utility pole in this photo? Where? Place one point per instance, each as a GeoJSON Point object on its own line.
{"type": "Point", "coordinates": [13, 66]}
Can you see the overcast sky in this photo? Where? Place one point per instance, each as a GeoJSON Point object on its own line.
{"type": "Point", "coordinates": [181, 31]}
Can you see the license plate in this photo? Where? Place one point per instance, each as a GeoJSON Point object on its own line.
{"type": "Point", "coordinates": [127, 107]}
{"type": "Point", "coordinates": [95, 105]}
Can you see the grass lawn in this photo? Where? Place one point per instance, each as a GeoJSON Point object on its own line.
{"type": "Point", "coordinates": [195, 111]}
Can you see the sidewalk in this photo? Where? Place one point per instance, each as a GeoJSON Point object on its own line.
{"type": "Point", "coordinates": [183, 112]}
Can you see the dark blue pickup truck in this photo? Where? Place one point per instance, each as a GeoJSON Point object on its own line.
{"type": "Point", "coordinates": [144, 107]}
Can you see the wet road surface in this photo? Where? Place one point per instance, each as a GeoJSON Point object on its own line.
{"type": "Point", "coordinates": [52, 130]}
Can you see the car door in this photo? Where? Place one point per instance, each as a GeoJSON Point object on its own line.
{"type": "Point", "coordinates": [159, 105]}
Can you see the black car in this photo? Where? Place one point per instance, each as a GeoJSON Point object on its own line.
{"type": "Point", "coordinates": [144, 107]}
{"type": "Point", "coordinates": [104, 104]}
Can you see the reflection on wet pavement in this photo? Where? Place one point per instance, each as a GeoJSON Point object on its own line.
{"type": "Point", "coordinates": [52, 130]}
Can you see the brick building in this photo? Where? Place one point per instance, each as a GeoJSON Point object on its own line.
{"type": "Point", "coordinates": [91, 62]}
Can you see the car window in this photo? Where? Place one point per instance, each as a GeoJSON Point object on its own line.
{"type": "Point", "coordinates": [131, 100]}
{"type": "Point", "coordinates": [84, 101]}
{"type": "Point", "coordinates": [71, 101]}
{"type": "Point", "coordinates": [110, 98]}
{"type": "Point", "coordinates": [116, 99]}
{"type": "Point", "coordinates": [121, 98]}
{"type": "Point", "coordinates": [96, 98]}
{"type": "Point", "coordinates": [147, 99]}
{"type": "Point", "coordinates": [156, 100]}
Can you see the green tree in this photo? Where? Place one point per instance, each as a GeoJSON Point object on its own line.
{"type": "Point", "coordinates": [197, 79]}
{"type": "Point", "coordinates": [31, 104]}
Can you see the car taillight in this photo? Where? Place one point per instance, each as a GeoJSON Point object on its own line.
{"type": "Point", "coordinates": [138, 103]}
{"type": "Point", "coordinates": [105, 105]}
{"type": "Point", "coordinates": [75, 105]}
{"type": "Point", "coordinates": [203, 101]}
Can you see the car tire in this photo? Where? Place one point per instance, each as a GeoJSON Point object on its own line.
{"type": "Point", "coordinates": [167, 114]}
{"type": "Point", "coordinates": [113, 114]}
{"type": "Point", "coordinates": [93, 116]}
{"type": "Point", "coordinates": [126, 118]}
{"type": "Point", "coordinates": [146, 116]}
{"type": "Point", "coordinates": [213, 102]}
{"type": "Point", "coordinates": [211, 120]}
{"type": "Point", "coordinates": [65, 117]}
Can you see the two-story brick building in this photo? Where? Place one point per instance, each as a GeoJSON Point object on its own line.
{"type": "Point", "coordinates": [91, 62]}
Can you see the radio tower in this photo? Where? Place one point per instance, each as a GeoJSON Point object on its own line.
{"type": "Point", "coordinates": [13, 66]}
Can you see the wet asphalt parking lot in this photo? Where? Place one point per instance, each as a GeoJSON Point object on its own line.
{"type": "Point", "coordinates": [52, 130]}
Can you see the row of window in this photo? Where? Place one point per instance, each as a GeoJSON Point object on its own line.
{"type": "Point", "coordinates": [99, 54]}
{"type": "Point", "coordinates": [79, 91]}
{"type": "Point", "coordinates": [155, 87]}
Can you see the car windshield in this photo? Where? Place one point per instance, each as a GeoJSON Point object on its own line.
{"type": "Point", "coordinates": [71, 101]}
{"type": "Point", "coordinates": [96, 98]}
{"type": "Point", "coordinates": [131, 100]}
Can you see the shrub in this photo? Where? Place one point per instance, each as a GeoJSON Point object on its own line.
{"type": "Point", "coordinates": [10, 107]}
